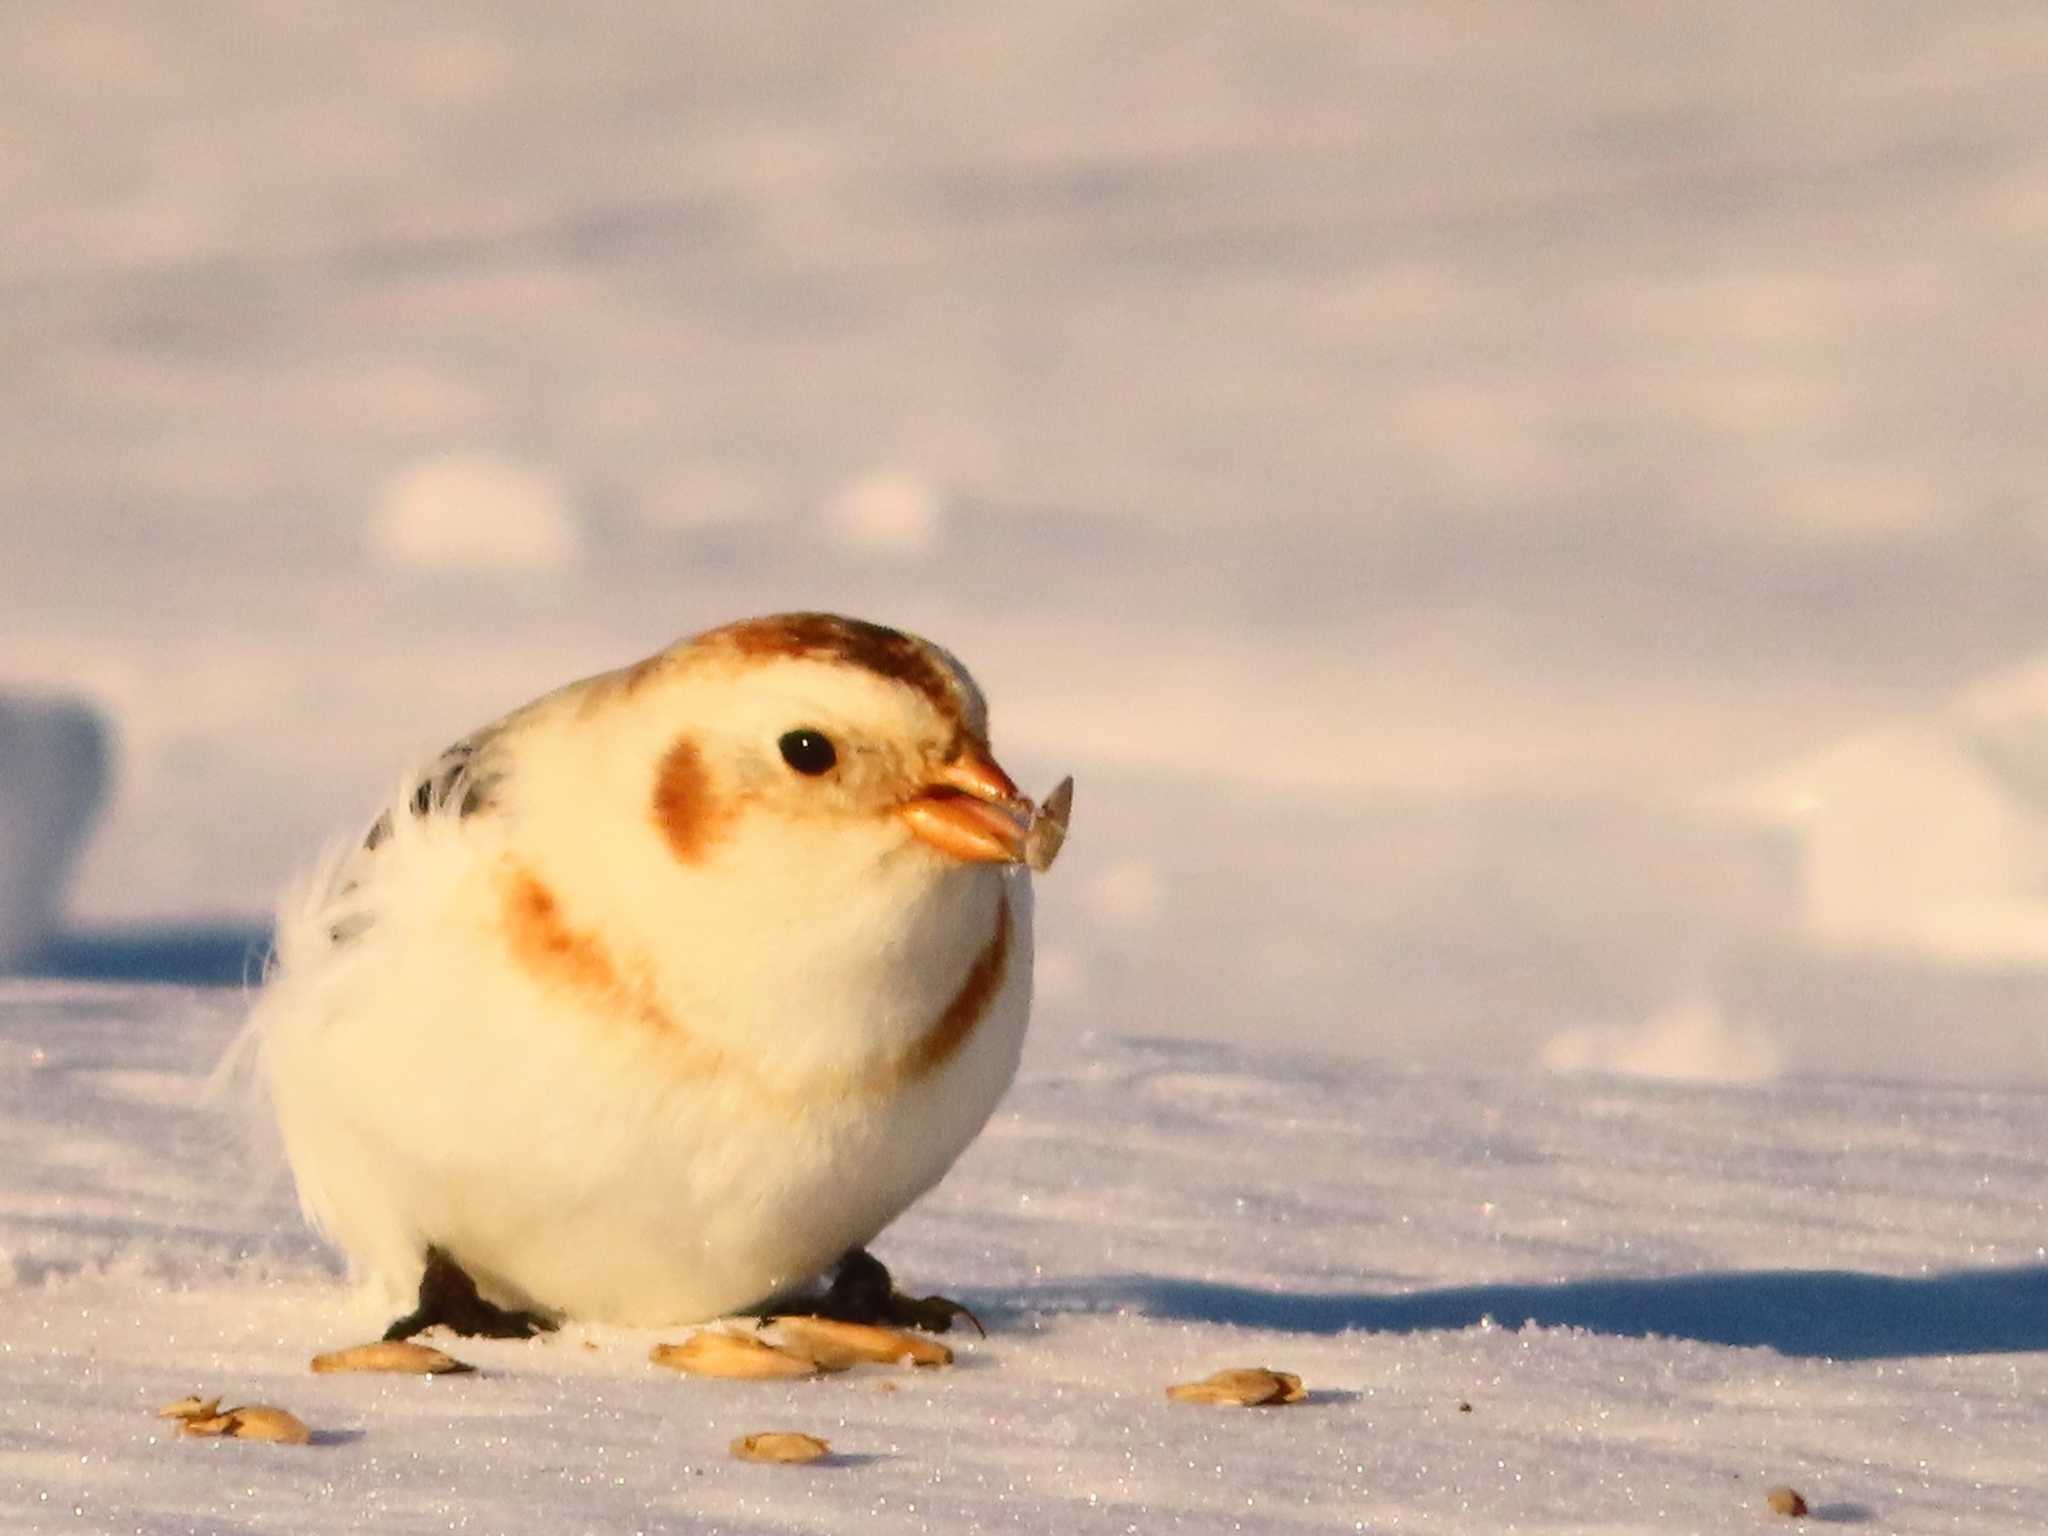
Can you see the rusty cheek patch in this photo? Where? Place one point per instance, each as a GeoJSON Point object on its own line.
{"type": "Point", "coordinates": [685, 809]}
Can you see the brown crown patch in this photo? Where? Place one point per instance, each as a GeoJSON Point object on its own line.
{"type": "Point", "coordinates": [830, 637]}
{"type": "Point", "coordinates": [686, 810]}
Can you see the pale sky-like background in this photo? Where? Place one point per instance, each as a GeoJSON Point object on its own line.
{"type": "Point", "coordinates": [1526, 523]}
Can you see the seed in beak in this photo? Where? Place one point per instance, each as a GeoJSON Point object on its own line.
{"type": "Point", "coordinates": [1048, 829]}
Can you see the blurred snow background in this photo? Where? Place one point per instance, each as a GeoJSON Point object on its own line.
{"type": "Point", "coordinates": [1526, 525]}
{"type": "Point", "coordinates": [53, 769]}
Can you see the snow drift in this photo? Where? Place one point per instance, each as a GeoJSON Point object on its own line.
{"type": "Point", "coordinates": [1928, 837]}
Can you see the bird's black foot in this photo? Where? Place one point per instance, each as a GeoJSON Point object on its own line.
{"type": "Point", "coordinates": [862, 1292]}
{"type": "Point", "coordinates": [448, 1297]}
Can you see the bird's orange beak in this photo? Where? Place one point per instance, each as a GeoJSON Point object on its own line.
{"type": "Point", "coordinates": [971, 810]}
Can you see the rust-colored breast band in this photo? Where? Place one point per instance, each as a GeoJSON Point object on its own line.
{"type": "Point", "coordinates": [575, 962]}
{"type": "Point", "coordinates": [548, 948]}
{"type": "Point", "coordinates": [941, 1043]}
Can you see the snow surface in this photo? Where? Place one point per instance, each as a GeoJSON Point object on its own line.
{"type": "Point", "coordinates": [1657, 1300]}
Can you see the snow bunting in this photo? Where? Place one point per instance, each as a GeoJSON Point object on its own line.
{"type": "Point", "coordinates": [663, 995]}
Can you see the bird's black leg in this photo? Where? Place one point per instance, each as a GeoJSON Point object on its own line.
{"type": "Point", "coordinates": [448, 1297]}
{"type": "Point", "coordinates": [862, 1292]}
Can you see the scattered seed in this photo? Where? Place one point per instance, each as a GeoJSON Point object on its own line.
{"type": "Point", "coordinates": [398, 1356]}
{"type": "Point", "coordinates": [1787, 1502]}
{"type": "Point", "coordinates": [835, 1345]}
{"type": "Point", "coordinates": [259, 1422]}
{"type": "Point", "coordinates": [1463, 1406]}
{"type": "Point", "coordinates": [255, 1422]}
{"type": "Point", "coordinates": [734, 1355]}
{"type": "Point", "coordinates": [1249, 1387]}
{"type": "Point", "coordinates": [190, 1408]}
{"type": "Point", "coordinates": [780, 1445]}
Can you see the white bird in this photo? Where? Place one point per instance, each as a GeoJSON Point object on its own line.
{"type": "Point", "coordinates": [663, 995]}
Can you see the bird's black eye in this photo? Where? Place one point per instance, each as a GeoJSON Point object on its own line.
{"type": "Point", "coordinates": [808, 751]}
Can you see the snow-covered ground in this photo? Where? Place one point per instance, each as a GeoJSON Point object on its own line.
{"type": "Point", "coordinates": [1520, 1305]}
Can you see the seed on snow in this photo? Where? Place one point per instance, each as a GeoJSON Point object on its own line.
{"type": "Point", "coordinates": [258, 1421]}
{"type": "Point", "coordinates": [733, 1355]}
{"type": "Point", "coordinates": [781, 1446]}
{"type": "Point", "coordinates": [398, 1356]}
{"type": "Point", "coordinates": [190, 1408]}
{"type": "Point", "coordinates": [1786, 1501]}
{"type": "Point", "coordinates": [1248, 1387]}
{"type": "Point", "coordinates": [836, 1345]}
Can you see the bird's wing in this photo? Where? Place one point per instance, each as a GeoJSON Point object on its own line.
{"type": "Point", "coordinates": [463, 780]}
{"type": "Point", "coordinates": [460, 782]}
{"type": "Point", "coordinates": [463, 784]}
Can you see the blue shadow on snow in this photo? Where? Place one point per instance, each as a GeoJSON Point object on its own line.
{"type": "Point", "coordinates": [1829, 1314]}
{"type": "Point", "coordinates": [219, 955]}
